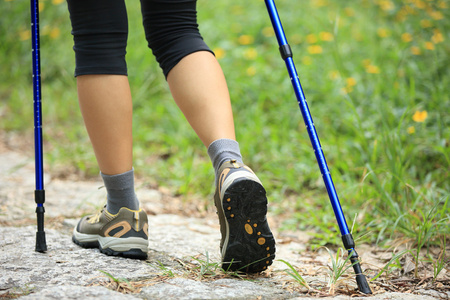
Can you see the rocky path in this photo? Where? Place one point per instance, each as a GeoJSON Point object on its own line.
{"type": "Point", "coordinates": [183, 256]}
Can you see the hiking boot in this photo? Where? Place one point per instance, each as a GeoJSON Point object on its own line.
{"type": "Point", "coordinates": [123, 234]}
{"type": "Point", "coordinates": [247, 243]}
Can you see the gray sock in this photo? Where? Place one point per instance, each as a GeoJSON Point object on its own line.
{"type": "Point", "coordinates": [120, 191]}
{"type": "Point", "coordinates": [223, 150]}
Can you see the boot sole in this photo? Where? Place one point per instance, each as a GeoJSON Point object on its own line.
{"type": "Point", "coordinates": [249, 245]}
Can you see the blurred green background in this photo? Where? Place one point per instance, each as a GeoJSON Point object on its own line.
{"type": "Point", "coordinates": [375, 74]}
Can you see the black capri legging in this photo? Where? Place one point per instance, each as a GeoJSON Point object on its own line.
{"type": "Point", "coordinates": [100, 31]}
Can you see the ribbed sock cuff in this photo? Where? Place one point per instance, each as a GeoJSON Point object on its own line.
{"type": "Point", "coordinates": [222, 150]}
{"type": "Point", "coordinates": [120, 191]}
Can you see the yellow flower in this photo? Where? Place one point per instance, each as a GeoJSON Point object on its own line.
{"type": "Point", "coordinates": [326, 36]}
{"type": "Point", "coordinates": [25, 35]}
{"type": "Point", "coordinates": [251, 71]}
{"type": "Point", "coordinates": [250, 53]}
{"type": "Point", "coordinates": [334, 74]}
{"type": "Point", "coordinates": [436, 15]}
{"type": "Point", "coordinates": [319, 3]}
{"type": "Point", "coordinates": [372, 69]}
{"type": "Point", "coordinates": [383, 32]}
{"type": "Point", "coordinates": [346, 90]}
{"type": "Point", "coordinates": [307, 60]}
{"type": "Point", "coordinates": [245, 39]}
{"type": "Point", "coordinates": [315, 49]}
{"type": "Point", "coordinates": [411, 129]}
{"type": "Point", "coordinates": [420, 4]}
{"type": "Point", "coordinates": [366, 62]}
{"type": "Point", "coordinates": [416, 50]}
{"type": "Point", "coordinates": [311, 38]}
{"type": "Point", "coordinates": [268, 31]}
{"type": "Point", "coordinates": [429, 46]}
{"type": "Point", "coordinates": [54, 33]}
{"type": "Point", "coordinates": [425, 23]}
{"type": "Point", "coordinates": [351, 81]}
{"type": "Point", "coordinates": [420, 116]}
{"type": "Point", "coordinates": [437, 36]}
{"type": "Point", "coordinates": [386, 5]}
{"type": "Point", "coordinates": [56, 2]}
{"type": "Point", "coordinates": [41, 6]}
{"type": "Point", "coordinates": [237, 9]}
{"type": "Point", "coordinates": [442, 4]}
{"type": "Point", "coordinates": [406, 37]}
{"type": "Point", "coordinates": [219, 52]}
{"type": "Point", "coordinates": [296, 39]}
{"type": "Point", "coordinates": [350, 12]}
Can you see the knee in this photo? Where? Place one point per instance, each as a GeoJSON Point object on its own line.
{"type": "Point", "coordinates": [100, 31]}
{"type": "Point", "coordinates": [171, 31]}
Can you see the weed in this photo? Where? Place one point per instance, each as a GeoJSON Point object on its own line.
{"type": "Point", "coordinates": [338, 267]}
{"type": "Point", "coordinates": [166, 272]}
{"type": "Point", "coordinates": [121, 284]}
{"type": "Point", "coordinates": [394, 258]}
{"type": "Point", "coordinates": [294, 274]}
{"type": "Point", "coordinates": [440, 263]}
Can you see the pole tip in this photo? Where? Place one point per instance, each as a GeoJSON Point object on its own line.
{"type": "Point", "coordinates": [41, 244]}
{"type": "Point", "coordinates": [363, 286]}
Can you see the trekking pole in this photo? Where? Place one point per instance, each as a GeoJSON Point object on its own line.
{"type": "Point", "coordinates": [39, 193]}
{"type": "Point", "coordinates": [347, 238]}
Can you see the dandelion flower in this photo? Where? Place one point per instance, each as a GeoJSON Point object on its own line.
{"type": "Point", "coordinates": [429, 46]}
{"type": "Point", "coordinates": [56, 2]}
{"type": "Point", "coordinates": [251, 71]}
{"type": "Point", "coordinates": [366, 62]}
{"type": "Point", "coordinates": [334, 74]}
{"type": "Point", "coordinates": [246, 39]}
{"type": "Point", "coordinates": [296, 39]}
{"type": "Point", "coordinates": [350, 12]}
{"type": "Point", "coordinates": [326, 36]}
{"type": "Point", "coordinates": [311, 38]}
{"type": "Point", "coordinates": [307, 60]}
{"type": "Point", "coordinates": [420, 4]}
{"type": "Point", "coordinates": [420, 116]}
{"type": "Point", "coordinates": [442, 4]}
{"type": "Point", "coordinates": [436, 15]}
{"type": "Point", "coordinates": [372, 69]}
{"type": "Point", "coordinates": [250, 53]}
{"type": "Point", "coordinates": [268, 31]}
{"type": "Point", "coordinates": [54, 33]}
{"type": "Point", "coordinates": [411, 129]}
{"type": "Point", "coordinates": [315, 49]}
{"type": "Point", "coordinates": [41, 6]}
{"type": "Point", "coordinates": [425, 23]}
{"type": "Point", "coordinates": [351, 81]}
{"type": "Point", "coordinates": [25, 35]}
{"type": "Point", "coordinates": [320, 3]}
{"type": "Point", "coordinates": [416, 50]}
{"type": "Point", "coordinates": [219, 52]}
{"type": "Point", "coordinates": [346, 90]}
{"type": "Point", "coordinates": [437, 37]}
{"type": "Point", "coordinates": [386, 5]}
{"type": "Point", "coordinates": [382, 32]}
{"type": "Point", "coordinates": [406, 37]}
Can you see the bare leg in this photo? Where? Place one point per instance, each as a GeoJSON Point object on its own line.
{"type": "Point", "coordinates": [105, 102]}
{"type": "Point", "coordinates": [199, 88]}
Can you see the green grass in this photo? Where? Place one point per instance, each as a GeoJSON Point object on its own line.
{"type": "Point", "coordinates": [367, 68]}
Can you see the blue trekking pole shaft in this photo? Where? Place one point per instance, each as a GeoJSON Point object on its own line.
{"type": "Point", "coordinates": [39, 193]}
{"type": "Point", "coordinates": [286, 54]}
